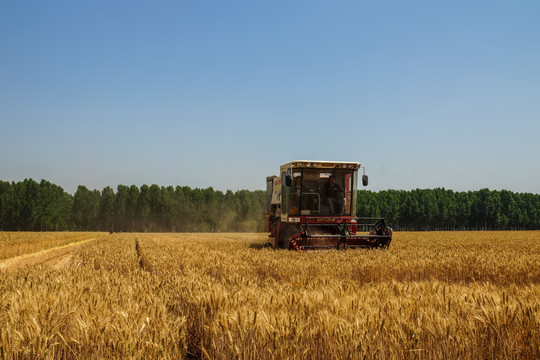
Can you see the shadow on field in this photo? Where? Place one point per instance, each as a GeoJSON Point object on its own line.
{"type": "Point", "coordinates": [259, 246]}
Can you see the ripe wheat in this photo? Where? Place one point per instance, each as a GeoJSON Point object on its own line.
{"type": "Point", "coordinates": [431, 295]}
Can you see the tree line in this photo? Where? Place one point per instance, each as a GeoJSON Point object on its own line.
{"type": "Point", "coordinates": [31, 206]}
{"type": "Point", "coordinates": [442, 209]}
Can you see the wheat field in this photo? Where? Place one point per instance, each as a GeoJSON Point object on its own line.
{"type": "Point", "coordinates": [432, 295]}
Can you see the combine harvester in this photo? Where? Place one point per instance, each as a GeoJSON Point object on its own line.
{"type": "Point", "coordinates": [312, 205]}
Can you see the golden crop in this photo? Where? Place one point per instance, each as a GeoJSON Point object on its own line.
{"type": "Point", "coordinates": [20, 243]}
{"type": "Point", "coordinates": [224, 296]}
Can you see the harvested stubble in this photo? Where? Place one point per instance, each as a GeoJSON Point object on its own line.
{"type": "Point", "coordinates": [20, 243]}
{"type": "Point", "coordinates": [431, 295]}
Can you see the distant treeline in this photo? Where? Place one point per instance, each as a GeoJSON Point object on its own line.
{"type": "Point", "coordinates": [441, 209]}
{"type": "Point", "coordinates": [32, 206]}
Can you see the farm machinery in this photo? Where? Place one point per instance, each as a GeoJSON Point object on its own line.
{"type": "Point", "coordinates": [312, 205]}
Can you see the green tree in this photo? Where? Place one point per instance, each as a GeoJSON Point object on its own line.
{"type": "Point", "coordinates": [143, 210]}
{"type": "Point", "coordinates": [85, 209]}
{"type": "Point", "coordinates": [54, 208]}
{"type": "Point", "coordinates": [121, 217]}
{"type": "Point", "coordinates": [106, 208]}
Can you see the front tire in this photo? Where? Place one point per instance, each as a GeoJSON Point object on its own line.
{"type": "Point", "coordinates": [385, 243]}
{"type": "Point", "coordinates": [286, 234]}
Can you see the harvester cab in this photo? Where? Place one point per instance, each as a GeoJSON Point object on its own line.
{"type": "Point", "coordinates": [312, 205]}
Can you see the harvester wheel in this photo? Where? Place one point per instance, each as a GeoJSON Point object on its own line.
{"type": "Point", "coordinates": [286, 235]}
{"type": "Point", "coordinates": [384, 244]}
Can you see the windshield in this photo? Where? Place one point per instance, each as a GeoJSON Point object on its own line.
{"type": "Point", "coordinates": [321, 192]}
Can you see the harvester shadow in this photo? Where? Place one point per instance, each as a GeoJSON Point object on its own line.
{"type": "Point", "coordinates": [259, 246]}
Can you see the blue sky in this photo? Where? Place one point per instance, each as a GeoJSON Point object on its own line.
{"type": "Point", "coordinates": [425, 94]}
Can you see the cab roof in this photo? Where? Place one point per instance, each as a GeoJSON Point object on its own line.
{"type": "Point", "coordinates": [321, 164]}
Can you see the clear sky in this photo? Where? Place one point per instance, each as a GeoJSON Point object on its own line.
{"type": "Point", "coordinates": [206, 93]}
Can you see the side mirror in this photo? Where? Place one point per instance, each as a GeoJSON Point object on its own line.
{"type": "Point", "coordinates": [288, 180]}
{"type": "Point", "coordinates": [364, 180]}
